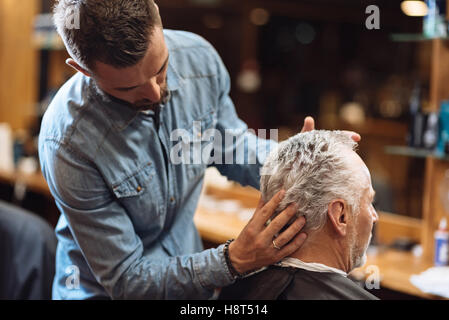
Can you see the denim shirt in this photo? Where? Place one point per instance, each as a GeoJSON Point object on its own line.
{"type": "Point", "coordinates": [126, 228]}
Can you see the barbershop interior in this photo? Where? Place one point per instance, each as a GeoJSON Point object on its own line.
{"type": "Point", "coordinates": [376, 68]}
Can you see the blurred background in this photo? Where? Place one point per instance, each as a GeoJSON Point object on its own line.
{"type": "Point", "coordinates": [287, 59]}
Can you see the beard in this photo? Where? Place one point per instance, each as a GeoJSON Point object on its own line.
{"type": "Point", "coordinates": [358, 252]}
{"type": "Point", "coordinates": [144, 104]}
{"type": "Point", "coordinates": [149, 105]}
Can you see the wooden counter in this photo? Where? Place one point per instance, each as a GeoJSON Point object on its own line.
{"type": "Point", "coordinates": [396, 268]}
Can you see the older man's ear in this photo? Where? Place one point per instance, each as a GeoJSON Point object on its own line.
{"type": "Point", "coordinates": [337, 212]}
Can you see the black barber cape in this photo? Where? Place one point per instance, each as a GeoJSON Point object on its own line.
{"type": "Point", "coordinates": [287, 283]}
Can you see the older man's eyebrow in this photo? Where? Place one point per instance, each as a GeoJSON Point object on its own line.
{"type": "Point", "coordinates": [158, 73]}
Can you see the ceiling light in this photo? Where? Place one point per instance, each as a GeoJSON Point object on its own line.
{"type": "Point", "coordinates": [414, 8]}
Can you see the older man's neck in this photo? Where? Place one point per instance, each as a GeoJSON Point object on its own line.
{"type": "Point", "coordinates": [329, 253]}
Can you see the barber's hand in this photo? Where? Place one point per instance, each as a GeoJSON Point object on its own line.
{"type": "Point", "coordinates": [254, 247]}
{"type": "Point", "coordinates": [309, 125]}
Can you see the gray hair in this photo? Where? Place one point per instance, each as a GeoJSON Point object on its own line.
{"type": "Point", "coordinates": [312, 169]}
{"type": "Point", "coordinates": [115, 32]}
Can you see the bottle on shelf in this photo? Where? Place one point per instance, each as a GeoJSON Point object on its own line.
{"type": "Point", "coordinates": [442, 244]}
{"type": "Point", "coordinates": [443, 139]}
{"type": "Point", "coordinates": [417, 118]}
{"type": "Point", "coordinates": [430, 137]}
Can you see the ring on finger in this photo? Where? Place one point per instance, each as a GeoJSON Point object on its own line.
{"type": "Point", "coordinates": [275, 245]}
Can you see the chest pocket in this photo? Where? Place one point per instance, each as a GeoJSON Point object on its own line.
{"type": "Point", "coordinates": [140, 194]}
{"type": "Point", "coordinates": [193, 144]}
{"type": "Point", "coordinates": [201, 145]}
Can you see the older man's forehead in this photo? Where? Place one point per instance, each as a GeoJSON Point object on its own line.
{"type": "Point", "coordinates": [366, 172]}
{"type": "Point", "coordinates": [363, 172]}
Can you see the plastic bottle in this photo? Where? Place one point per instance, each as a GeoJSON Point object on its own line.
{"type": "Point", "coordinates": [442, 244]}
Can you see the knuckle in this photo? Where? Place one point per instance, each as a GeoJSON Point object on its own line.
{"type": "Point", "coordinates": [276, 224]}
{"type": "Point", "coordinates": [250, 232]}
{"type": "Point", "coordinates": [259, 245]}
{"type": "Point", "coordinates": [300, 223]}
{"type": "Point", "coordinates": [264, 212]}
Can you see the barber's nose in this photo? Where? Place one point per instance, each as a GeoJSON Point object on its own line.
{"type": "Point", "coordinates": [152, 91]}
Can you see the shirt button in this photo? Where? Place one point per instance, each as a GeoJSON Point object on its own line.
{"type": "Point", "coordinates": [139, 188]}
{"type": "Point", "coordinates": [172, 199]}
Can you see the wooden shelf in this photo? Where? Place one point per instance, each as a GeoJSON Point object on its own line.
{"type": "Point", "coordinates": [413, 37]}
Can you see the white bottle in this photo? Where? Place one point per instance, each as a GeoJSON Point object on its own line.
{"type": "Point", "coordinates": [442, 244]}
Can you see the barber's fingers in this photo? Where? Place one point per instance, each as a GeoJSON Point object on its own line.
{"type": "Point", "coordinates": [353, 135]}
{"type": "Point", "coordinates": [309, 124]}
{"type": "Point", "coordinates": [260, 204]}
{"type": "Point", "coordinates": [280, 221]}
{"type": "Point", "coordinates": [286, 236]}
{"type": "Point", "coordinates": [292, 246]}
{"type": "Point", "coordinates": [265, 211]}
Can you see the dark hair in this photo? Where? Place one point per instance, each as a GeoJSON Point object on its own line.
{"type": "Point", "coordinates": [115, 32]}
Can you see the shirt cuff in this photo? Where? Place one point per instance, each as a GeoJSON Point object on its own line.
{"type": "Point", "coordinates": [212, 270]}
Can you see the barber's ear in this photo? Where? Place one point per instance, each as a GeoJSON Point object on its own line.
{"type": "Point", "coordinates": [72, 63]}
{"type": "Point", "coordinates": [338, 212]}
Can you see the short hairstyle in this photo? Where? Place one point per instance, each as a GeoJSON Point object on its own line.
{"type": "Point", "coordinates": [312, 169]}
{"type": "Point", "coordinates": [115, 32]}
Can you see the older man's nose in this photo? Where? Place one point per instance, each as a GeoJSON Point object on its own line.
{"type": "Point", "coordinates": [152, 91]}
{"type": "Point", "coordinates": [375, 216]}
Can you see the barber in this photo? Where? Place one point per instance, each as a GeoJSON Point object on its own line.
{"type": "Point", "coordinates": [126, 228]}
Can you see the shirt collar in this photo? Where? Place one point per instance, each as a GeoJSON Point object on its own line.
{"type": "Point", "coordinates": [310, 266]}
{"type": "Point", "coordinates": [120, 113]}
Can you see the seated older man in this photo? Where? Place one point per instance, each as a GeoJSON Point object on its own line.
{"type": "Point", "coordinates": [331, 185]}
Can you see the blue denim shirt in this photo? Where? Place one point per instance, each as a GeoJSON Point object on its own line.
{"type": "Point", "coordinates": [126, 228]}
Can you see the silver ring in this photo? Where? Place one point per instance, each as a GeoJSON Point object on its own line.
{"type": "Point", "coordinates": [275, 246]}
